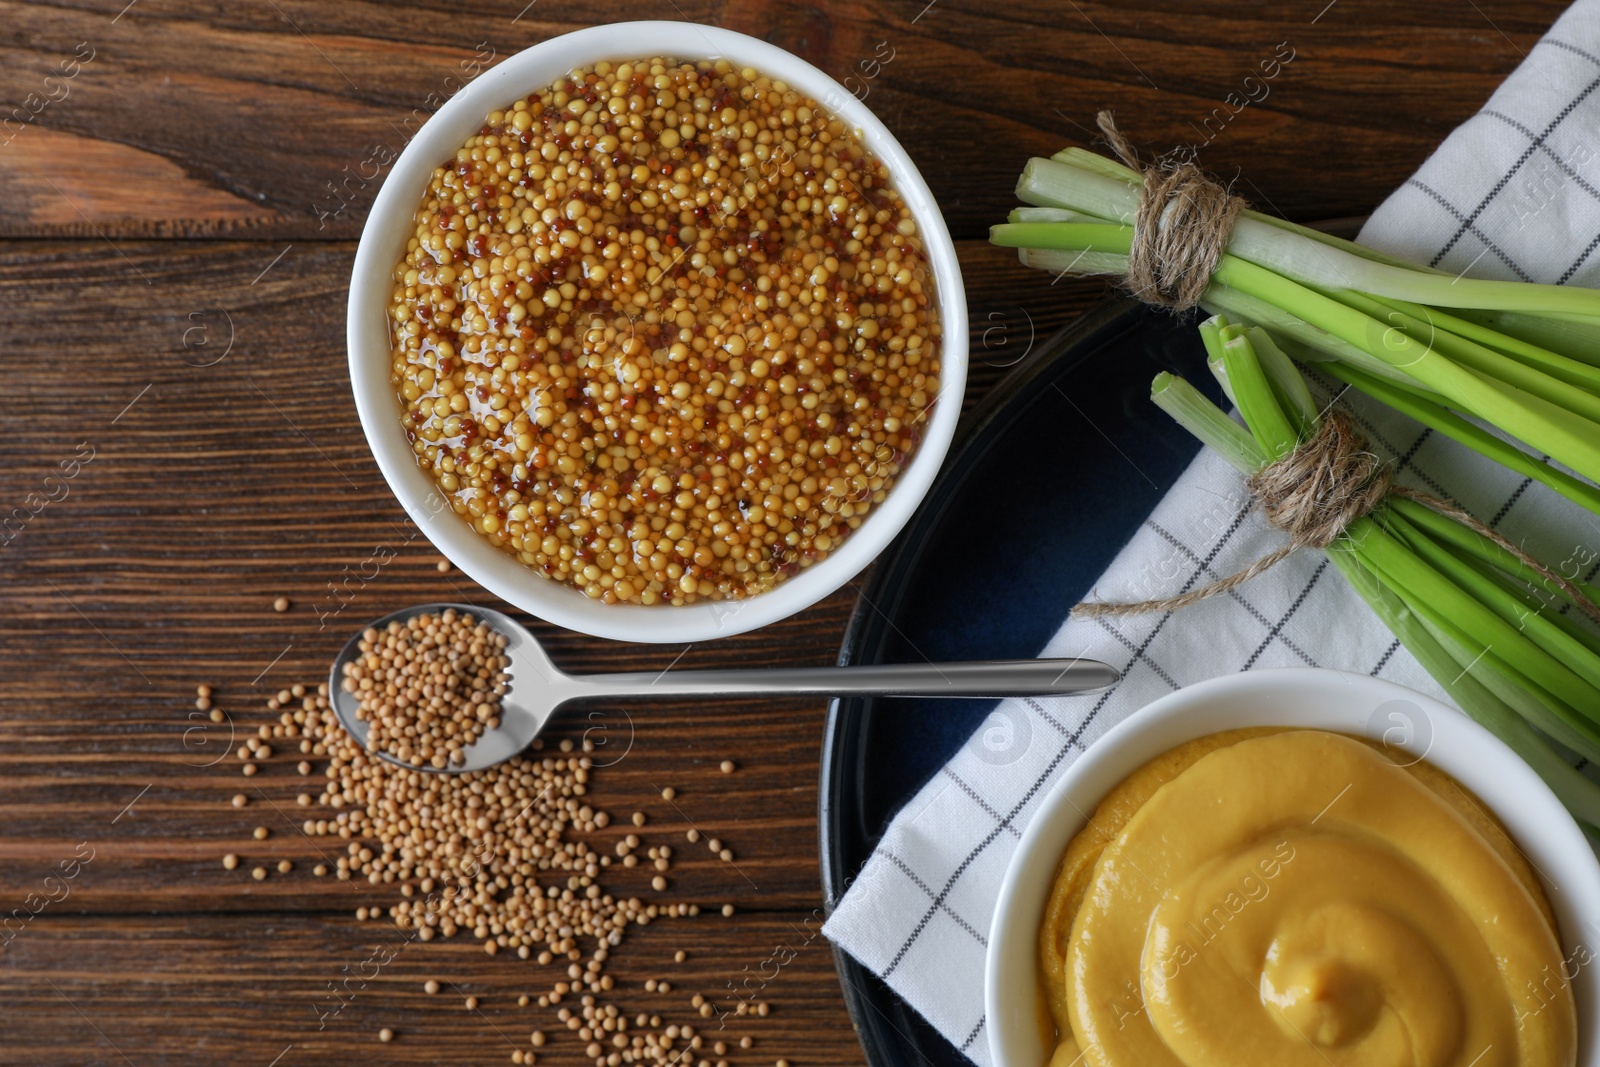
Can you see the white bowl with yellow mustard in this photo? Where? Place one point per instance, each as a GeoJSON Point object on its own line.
{"type": "Point", "coordinates": [1294, 867]}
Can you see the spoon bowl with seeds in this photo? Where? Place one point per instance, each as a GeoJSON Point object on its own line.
{"type": "Point", "coordinates": [455, 688]}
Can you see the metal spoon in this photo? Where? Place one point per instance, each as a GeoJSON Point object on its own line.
{"type": "Point", "coordinates": [537, 688]}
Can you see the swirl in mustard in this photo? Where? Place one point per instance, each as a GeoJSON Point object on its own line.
{"type": "Point", "coordinates": [1297, 898]}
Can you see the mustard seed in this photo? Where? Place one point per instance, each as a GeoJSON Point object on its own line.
{"type": "Point", "coordinates": [492, 855]}
{"type": "Point", "coordinates": [745, 1042]}
{"type": "Point", "coordinates": [202, 690]}
{"type": "Point", "coordinates": [430, 987]}
{"type": "Point", "coordinates": [259, 874]}
{"type": "Point", "coordinates": [216, 715]}
{"type": "Point", "coordinates": [522, 1001]}
{"type": "Point", "coordinates": [320, 870]}
{"type": "Point", "coordinates": [658, 883]}
{"type": "Point", "coordinates": [638, 818]}
{"type": "Point", "coordinates": [693, 836]}
{"type": "Point", "coordinates": [443, 566]}
{"type": "Point", "coordinates": [472, 1003]}
{"type": "Point", "coordinates": [537, 1038]}
{"type": "Point", "coordinates": [428, 687]}
{"type": "Point", "coordinates": [230, 861]}
{"type": "Point", "coordinates": [727, 911]}
{"type": "Point", "coordinates": [203, 703]}
{"type": "Point", "coordinates": [249, 770]}
{"type": "Point", "coordinates": [285, 866]}
{"type": "Point", "coordinates": [726, 855]}
{"type": "Point", "coordinates": [668, 793]}
{"type": "Point", "coordinates": [679, 956]}
{"type": "Point", "coordinates": [727, 766]}
{"type": "Point", "coordinates": [386, 1035]}
{"type": "Point", "coordinates": [261, 833]}
{"type": "Point", "coordinates": [281, 604]}
{"type": "Point", "coordinates": [240, 800]}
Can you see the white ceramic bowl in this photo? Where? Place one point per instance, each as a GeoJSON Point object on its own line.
{"type": "Point", "coordinates": [383, 241]}
{"type": "Point", "coordinates": [1327, 700]}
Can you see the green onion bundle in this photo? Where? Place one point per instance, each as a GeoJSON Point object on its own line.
{"type": "Point", "coordinates": [1498, 636]}
{"type": "Point", "coordinates": [1520, 357]}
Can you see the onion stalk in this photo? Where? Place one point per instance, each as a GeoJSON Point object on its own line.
{"type": "Point", "coordinates": [1520, 357]}
{"type": "Point", "coordinates": [1493, 635]}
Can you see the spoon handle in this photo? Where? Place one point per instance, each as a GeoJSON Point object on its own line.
{"type": "Point", "coordinates": [993, 678]}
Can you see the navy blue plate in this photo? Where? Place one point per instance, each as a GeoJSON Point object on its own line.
{"type": "Point", "coordinates": [1050, 478]}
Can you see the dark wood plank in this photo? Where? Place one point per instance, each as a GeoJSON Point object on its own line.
{"type": "Point", "coordinates": [176, 231]}
{"type": "Point", "coordinates": [220, 478]}
{"type": "Point", "coordinates": [273, 119]}
{"type": "Point", "coordinates": [225, 989]}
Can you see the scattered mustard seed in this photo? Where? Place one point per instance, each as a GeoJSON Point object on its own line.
{"type": "Point", "coordinates": [386, 1035]}
{"type": "Point", "coordinates": [727, 911]}
{"type": "Point", "coordinates": [668, 793]}
{"type": "Point", "coordinates": [443, 566]}
{"type": "Point", "coordinates": [259, 874]}
{"type": "Point", "coordinates": [240, 800]}
{"type": "Point", "coordinates": [230, 861]}
{"type": "Point", "coordinates": [472, 1003]}
{"type": "Point", "coordinates": [285, 866]}
{"type": "Point", "coordinates": [262, 833]}
{"type": "Point", "coordinates": [430, 987]}
{"type": "Point", "coordinates": [727, 766]}
{"type": "Point", "coordinates": [281, 604]}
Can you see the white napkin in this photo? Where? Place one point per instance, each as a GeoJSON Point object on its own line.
{"type": "Point", "coordinates": [1512, 193]}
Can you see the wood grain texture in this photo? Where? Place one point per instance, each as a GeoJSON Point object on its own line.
{"type": "Point", "coordinates": [177, 223]}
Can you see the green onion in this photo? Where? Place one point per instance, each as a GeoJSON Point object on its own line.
{"type": "Point", "coordinates": [1487, 627]}
{"type": "Point", "coordinates": [1521, 357]}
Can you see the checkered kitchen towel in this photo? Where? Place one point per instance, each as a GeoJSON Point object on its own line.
{"type": "Point", "coordinates": [1512, 193]}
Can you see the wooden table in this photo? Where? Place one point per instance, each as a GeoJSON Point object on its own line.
{"type": "Point", "coordinates": [177, 223]}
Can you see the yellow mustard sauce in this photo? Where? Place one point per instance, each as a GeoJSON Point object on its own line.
{"type": "Point", "coordinates": [1292, 897]}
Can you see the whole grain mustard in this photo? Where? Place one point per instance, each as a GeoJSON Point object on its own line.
{"type": "Point", "coordinates": [664, 331]}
